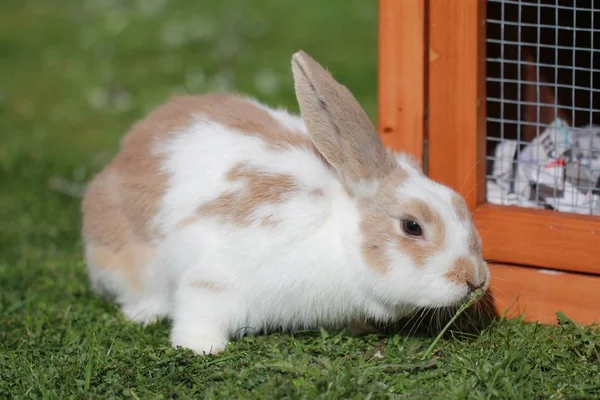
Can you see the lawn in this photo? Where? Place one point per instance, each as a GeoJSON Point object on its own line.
{"type": "Point", "coordinates": [74, 75]}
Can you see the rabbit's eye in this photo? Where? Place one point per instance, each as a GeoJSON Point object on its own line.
{"type": "Point", "coordinates": [411, 228]}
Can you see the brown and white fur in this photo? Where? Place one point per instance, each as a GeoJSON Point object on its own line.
{"type": "Point", "coordinates": [230, 217]}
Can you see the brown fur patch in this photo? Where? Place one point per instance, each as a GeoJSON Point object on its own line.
{"type": "Point", "coordinates": [261, 188]}
{"type": "Point", "coordinates": [464, 214]}
{"type": "Point", "coordinates": [187, 221]}
{"type": "Point", "coordinates": [124, 260]}
{"type": "Point", "coordinates": [378, 230]}
{"type": "Point", "coordinates": [103, 221]}
{"type": "Point", "coordinates": [379, 217]}
{"type": "Point", "coordinates": [460, 207]}
{"type": "Point", "coordinates": [317, 192]}
{"type": "Point", "coordinates": [483, 271]}
{"type": "Point", "coordinates": [475, 241]}
{"type": "Point", "coordinates": [251, 120]}
{"type": "Point", "coordinates": [108, 232]}
{"type": "Point", "coordinates": [462, 271]}
{"type": "Point", "coordinates": [122, 200]}
{"type": "Point", "coordinates": [211, 286]}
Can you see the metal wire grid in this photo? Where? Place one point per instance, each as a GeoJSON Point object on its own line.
{"type": "Point", "coordinates": [558, 166]}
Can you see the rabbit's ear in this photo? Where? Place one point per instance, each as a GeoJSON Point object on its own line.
{"type": "Point", "coordinates": [339, 127]}
{"type": "Point", "coordinates": [541, 106]}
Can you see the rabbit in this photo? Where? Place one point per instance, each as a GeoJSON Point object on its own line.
{"type": "Point", "coordinates": [232, 218]}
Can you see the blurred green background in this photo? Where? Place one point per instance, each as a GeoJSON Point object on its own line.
{"type": "Point", "coordinates": [74, 75]}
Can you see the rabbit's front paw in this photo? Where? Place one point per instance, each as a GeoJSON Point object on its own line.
{"type": "Point", "coordinates": [200, 340]}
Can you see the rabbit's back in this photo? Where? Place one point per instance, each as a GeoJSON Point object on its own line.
{"type": "Point", "coordinates": [220, 158]}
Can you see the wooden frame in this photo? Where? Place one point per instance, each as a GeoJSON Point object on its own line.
{"type": "Point", "coordinates": [432, 91]}
{"type": "Point", "coordinates": [401, 75]}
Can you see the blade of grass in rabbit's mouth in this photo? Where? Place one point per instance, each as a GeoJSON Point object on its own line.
{"type": "Point", "coordinates": [472, 300]}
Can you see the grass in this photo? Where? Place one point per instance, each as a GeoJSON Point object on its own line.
{"type": "Point", "coordinates": [73, 77]}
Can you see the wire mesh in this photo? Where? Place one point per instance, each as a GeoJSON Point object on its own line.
{"type": "Point", "coordinates": [543, 87]}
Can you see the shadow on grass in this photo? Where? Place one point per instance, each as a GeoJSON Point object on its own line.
{"type": "Point", "coordinates": [422, 324]}
{"type": "Point", "coordinates": [428, 323]}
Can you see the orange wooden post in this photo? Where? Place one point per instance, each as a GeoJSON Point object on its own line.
{"type": "Point", "coordinates": [401, 74]}
{"type": "Point", "coordinates": [457, 96]}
